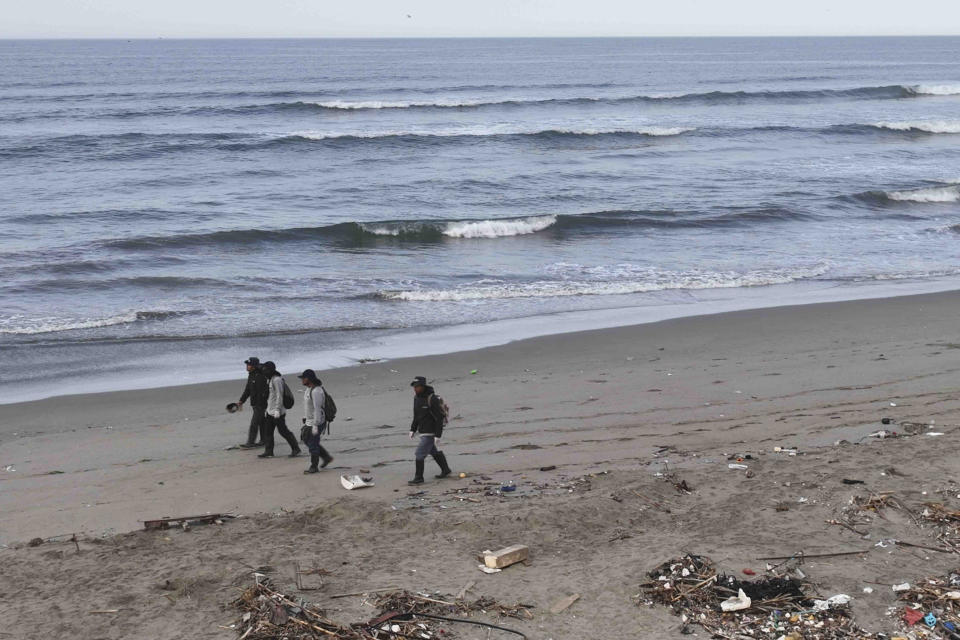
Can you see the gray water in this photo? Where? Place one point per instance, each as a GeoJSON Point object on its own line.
{"type": "Point", "coordinates": [169, 207]}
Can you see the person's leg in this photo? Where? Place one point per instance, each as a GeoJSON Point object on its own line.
{"type": "Point", "coordinates": [316, 453]}
{"type": "Point", "coordinates": [256, 426]}
{"type": "Point", "coordinates": [266, 436]}
{"type": "Point", "coordinates": [441, 459]}
{"type": "Point", "coordinates": [424, 448]}
{"type": "Point", "coordinates": [288, 436]}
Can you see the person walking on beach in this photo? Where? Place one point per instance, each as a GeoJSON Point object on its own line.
{"type": "Point", "coordinates": [429, 417]}
{"type": "Point", "coordinates": [314, 417]}
{"type": "Point", "coordinates": [276, 413]}
{"type": "Point", "coordinates": [256, 390]}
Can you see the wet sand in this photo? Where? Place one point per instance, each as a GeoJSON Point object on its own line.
{"type": "Point", "coordinates": [690, 391]}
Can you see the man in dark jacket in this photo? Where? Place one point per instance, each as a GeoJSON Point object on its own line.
{"type": "Point", "coordinates": [428, 422]}
{"type": "Point", "coordinates": [257, 391]}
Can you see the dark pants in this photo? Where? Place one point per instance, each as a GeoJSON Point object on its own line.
{"type": "Point", "coordinates": [427, 447]}
{"type": "Point", "coordinates": [266, 435]}
{"type": "Point", "coordinates": [257, 415]}
{"type": "Point", "coordinates": [316, 450]}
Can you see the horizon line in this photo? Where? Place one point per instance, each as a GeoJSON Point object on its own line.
{"type": "Point", "coordinates": [481, 37]}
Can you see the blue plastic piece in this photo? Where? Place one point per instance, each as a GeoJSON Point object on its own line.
{"type": "Point", "coordinates": [931, 620]}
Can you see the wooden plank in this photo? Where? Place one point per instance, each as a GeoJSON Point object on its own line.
{"type": "Point", "coordinates": [463, 592]}
{"type": "Point", "coordinates": [506, 556]}
{"type": "Point", "coordinates": [164, 523]}
{"type": "Point", "coordinates": [564, 603]}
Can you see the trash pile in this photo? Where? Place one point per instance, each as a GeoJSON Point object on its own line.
{"type": "Point", "coordinates": [932, 608]}
{"type": "Point", "coordinates": [946, 521]}
{"type": "Point", "coordinates": [773, 606]}
{"type": "Point", "coordinates": [271, 615]}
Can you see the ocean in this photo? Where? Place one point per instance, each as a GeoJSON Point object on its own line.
{"type": "Point", "coordinates": [170, 207]}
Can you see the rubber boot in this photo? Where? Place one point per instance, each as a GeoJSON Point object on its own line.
{"type": "Point", "coordinates": [441, 459]}
{"type": "Point", "coordinates": [327, 458]}
{"type": "Point", "coordinates": [418, 479]}
{"type": "Point", "coordinates": [314, 461]}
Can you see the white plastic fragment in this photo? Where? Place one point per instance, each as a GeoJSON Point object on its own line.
{"type": "Point", "coordinates": [902, 587]}
{"type": "Point", "coordinates": [738, 603]}
{"type": "Point", "coordinates": [734, 465]}
{"type": "Point", "coordinates": [833, 601]}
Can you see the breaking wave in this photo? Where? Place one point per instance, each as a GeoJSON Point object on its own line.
{"type": "Point", "coordinates": [361, 233]}
{"type": "Point", "coordinates": [651, 280]}
{"type": "Point", "coordinates": [487, 132]}
{"type": "Point", "coordinates": [927, 194]}
{"type": "Point", "coordinates": [932, 126]}
{"type": "Point", "coordinates": [35, 326]}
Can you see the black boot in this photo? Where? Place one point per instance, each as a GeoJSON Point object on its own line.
{"type": "Point", "coordinates": [327, 458]}
{"type": "Point", "coordinates": [314, 461]}
{"type": "Point", "coordinates": [441, 459]}
{"type": "Point", "coordinates": [418, 479]}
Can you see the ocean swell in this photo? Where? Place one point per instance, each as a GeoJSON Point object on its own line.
{"type": "Point", "coordinates": [18, 325]}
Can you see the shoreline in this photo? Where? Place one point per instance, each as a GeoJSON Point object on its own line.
{"type": "Point", "coordinates": [450, 339]}
{"type": "Point", "coordinates": [103, 463]}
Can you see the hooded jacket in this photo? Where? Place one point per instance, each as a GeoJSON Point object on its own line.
{"type": "Point", "coordinates": [426, 412]}
{"type": "Point", "coordinates": [275, 399]}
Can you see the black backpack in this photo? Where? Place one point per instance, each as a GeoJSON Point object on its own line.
{"type": "Point", "coordinates": [287, 395]}
{"type": "Point", "coordinates": [329, 407]}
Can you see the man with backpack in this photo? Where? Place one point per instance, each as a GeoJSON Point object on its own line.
{"type": "Point", "coordinates": [318, 411]}
{"type": "Point", "coordinates": [279, 400]}
{"type": "Point", "coordinates": [256, 390]}
{"type": "Point", "coordinates": [430, 415]}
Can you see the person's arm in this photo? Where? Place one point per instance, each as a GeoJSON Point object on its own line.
{"type": "Point", "coordinates": [246, 391]}
{"type": "Point", "coordinates": [413, 423]}
{"type": "Point", "coordinates": [319, 417]}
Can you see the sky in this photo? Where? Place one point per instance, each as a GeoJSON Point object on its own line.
{"type": "Point", "coordinates": [478, 18]}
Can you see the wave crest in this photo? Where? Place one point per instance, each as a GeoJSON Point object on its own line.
{"type": "Point", "coordinates": [930, 126]}
{"type": "Point", "coordinates": [651, 280]}
{"type": "Point", "coordinates": [927, 194]}
{"type": "Point", "coordinates": [17, 325]}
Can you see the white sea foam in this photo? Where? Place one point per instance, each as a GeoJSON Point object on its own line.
{"type": "Point", "coordinates": [498, 228]}
{"type": "Point", "coordinates": [403, 104]}
{"type": "Point", "coordinates": [484, 131]}
{"type": "Point", "coordinates": [937, 89]}
{"type": "Point", "coordinates": [657, 281]}
{"type": "Point", "coordinates": [18, 325]}
{"type": "Point", "coordinates": [930, 126]}
{"type": "Point", "coordinates": [929, 194]}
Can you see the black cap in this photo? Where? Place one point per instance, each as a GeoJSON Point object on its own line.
{"type": "Point", "coordinates": [310, 374]}
{"type": "Point", "coordinates": [269, 365]}
{"type": "Point", "coordinates": [419, 381]}
{"type": "Point", "coordinates": [254, 362]}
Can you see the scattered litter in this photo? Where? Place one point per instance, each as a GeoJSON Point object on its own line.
{"type": "Point", "coordinates": [902, 587]}
{"type": "Point", "coordinates": [564, 603]}
{"type": "Point", "coordinates": [772, 607]}
{"type": "Point", "coordinates": [473, 372]}
{"type": "Point", "coordinates": [934, 433]}
{"type": "Point", "coordinates": [185, 522]}
{"type": "Point", "coordinates": [355, 482]}
{"type": "Point", "coordinates": [487, 569]}
{"type": "Point", "coordinates": [734, 465]}
{"type": "Point", "coordinates": [849, 481]}
{"type": "Point", "coordinates": [868, 589]}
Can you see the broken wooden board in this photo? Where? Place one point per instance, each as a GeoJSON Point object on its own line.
{"type": "Point", "coordinates": [164, 523]}
{"type": "Point", "coordinates": [506, 556]}
{"type": "Point", "coordinates": [564, 603]}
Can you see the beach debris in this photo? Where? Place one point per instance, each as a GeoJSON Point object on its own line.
{"type": "Point", "coordinates": [851, 481]}
{"type": "Point", "coordinates": [564, 603]}
{"type": "Point", "coordinates": [787, 450]}
{"type": "Point", "coordinates": [740, 467]}
{"type": "Point", "coordinates": [300, 572]}
{"type": "Point", "coordinates": [902, 587]}
{"type": "Point", "coordinates": [505, 557]}
{"type": "Point", "coordinates": [770, 607]}
{"type": "Point", "coordinates": [933, 600]}
{"type": "Point", "coordinates": [185, 522]}
{"type": "Point", "coordinates": [548, 468]}
{"type": "Point", "coordinates": [267, 614]}
{"type": "Point", "coordinates": [355, 482]}
{"type": "Point", "coordinates": [473, 372]}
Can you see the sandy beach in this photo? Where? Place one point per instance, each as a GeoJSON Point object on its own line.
{"type": "Point", "coordinates": [609, 410]}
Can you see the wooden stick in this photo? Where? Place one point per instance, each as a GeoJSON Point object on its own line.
{"type": "Point", "coordinates": [463, 592]}
{"type": "Point", "coordinates": [313, 626]}
{"type": "Point", "coordinates": [695, 587]}
{"type": "Point", "coordinates": [922, 546]}
{"type": "Point", "coordinates": [817, 555]}
{"type": "Point", "coordinates": [363, 593]}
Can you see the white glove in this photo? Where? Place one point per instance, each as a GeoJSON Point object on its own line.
{"type": "Point", "coordinates": [315, 430]}
{"type": "Point", "coordinates": [411, 435]}
{"type": "Point", "coordinates": [274, 414]}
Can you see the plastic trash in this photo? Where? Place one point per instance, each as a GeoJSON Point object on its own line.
{"type": "Point", "coordinates": [355, 482]}
{"type": "Point", "coordinates": [930, 620]}
{"type": "Point", "coordinates": [738, 603]}
{"type": "Point", "coordinates": [833, 601]}
{"type": "Point", "coordinates": [508, 487]}
{"type": "Point", "coordinates": [912, 616]}
{"type": "Point", "coordinates": [902, 587]}
{"type": "Point", "coordinates": [734, 465]}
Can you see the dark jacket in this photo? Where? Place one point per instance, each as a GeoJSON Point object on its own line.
{"type": "Point", "coordinates": [256, 389]}
{"type": "Point", "coordinates": [426, 414]}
